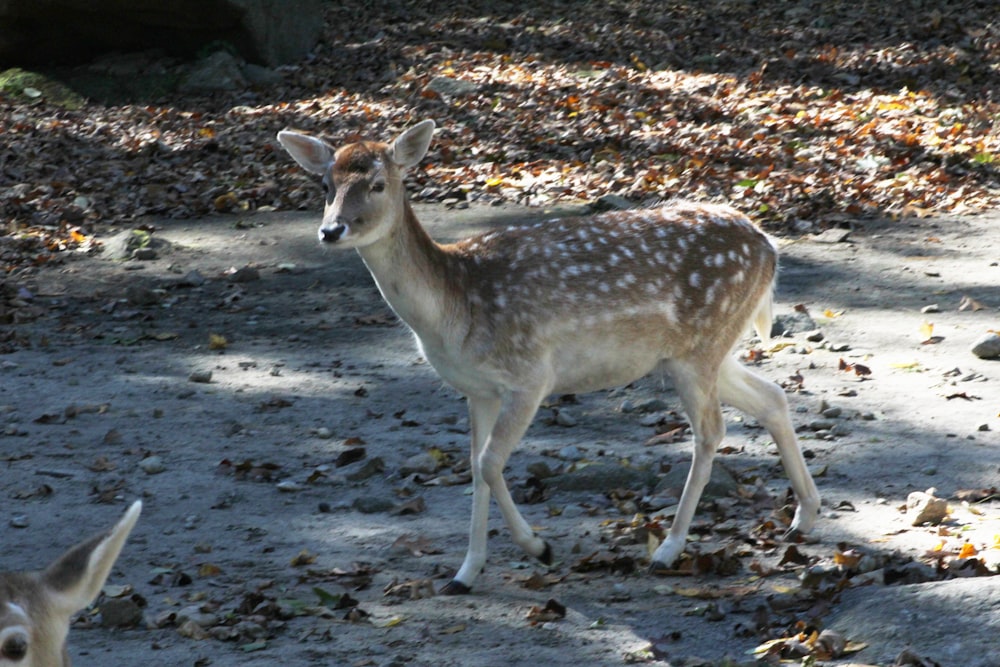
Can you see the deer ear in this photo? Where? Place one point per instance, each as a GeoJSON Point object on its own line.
{"type": "Point", "coordinates": [314, 155]}
{"type": "Point", "coordinates": [410, 147]}
{"type": "Point", "coordinates": [75, 579]}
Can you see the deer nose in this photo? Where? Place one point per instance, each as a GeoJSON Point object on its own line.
{"type": "Point", "coordinates": [15, 646]}
{"type": "Point", "coordinates": [332, 234]}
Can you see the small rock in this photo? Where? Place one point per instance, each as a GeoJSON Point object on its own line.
{"type": "Point", "coordinates": [839, 347]}
{"type": "Point", "coordinates": [323, 433]}
{"type": "Point", "coordinates": [443, 85]}
{"type": "Point", "coordinates": [19, 521]}
{"type": "Point", "coordinates": [931, 308]}
{"type": "Point", "coordinates": [925, 508]}
{"type": "Point", "coordinates": [833, 235]}
{"type": "Point", "coordinates": [626, 406]}
{"type": "Point", "coordinates": [612, 203]}
{"type": "Point", "coordinates": [144, 254]}
{"type": "Point", "coordinates": [570, 453]}
{"type": "Point", "coordinates": [721, 483]}
{"type": "Point", "coordinates": [152, 465]}
{"type": "Point", "coordinates": [120, 613]}
{"type": "Point", "coordinates": [372, 467]}
{"type": "Point", "coordinates": [539, 469]}
{"type": "Point", "coordinates": [792, 323]}
{"type": "Point", "coordinates": [245, 274]}
{"type": "Point", "coordinates": [600, 477]}
{"type": "Point", "coordinates": [195, 614]}
{"type": "Point", "coordinates": [141, 295]}
{"type": "Point", "coordinates": [204, 377]}
{"type": "Point", "coordinates": [821, 425]}
{"type": "Point", "coordinates": [422, 463]}
{"type": "Point", "coordinates": [987, 346]}
{"type": "Point", "coordinates": [371, 505]}
{"type": "Point", "coordinates": [565, 418]}
{"type": "Point", "coordinates": [832, 412]}
{"type": "Point", "coordinates": [192, 279]}
{"type": "Point", "coordinates": [814, 336]}
{"type": "Point", "coordinates": [218, 71]}
{"type": "Point", "coordinates": [652, 405]}
{"type": "Point", "coordinates": [839, 430]}
{"type": "Point", "coordinates": [288, 486]}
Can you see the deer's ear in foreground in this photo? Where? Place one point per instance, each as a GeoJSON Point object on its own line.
{"type": "Point", "coordinates": [565, 306]}
{"type": "Point", "coordinates": [36, 606]}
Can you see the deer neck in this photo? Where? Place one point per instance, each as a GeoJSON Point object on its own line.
{"type": "Point", "coordinates": [412, 273]}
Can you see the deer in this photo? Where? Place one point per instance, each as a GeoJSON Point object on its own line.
{"type": "Point", "coordinates": [512, 316]}
{"type": "Point", "coordinates": [36, 607]}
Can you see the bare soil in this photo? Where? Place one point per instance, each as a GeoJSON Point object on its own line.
{"type": "Point", "coordinates": [248, 514]}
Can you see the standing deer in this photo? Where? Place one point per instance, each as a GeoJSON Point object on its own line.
{"type": "Point", "coordinates": [510, 317]}
{"type": "Point", "coordinates": [36, 607]}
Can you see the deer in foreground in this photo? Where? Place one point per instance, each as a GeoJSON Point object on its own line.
{"type": "Point", "coordinates": [36, 607]}
{"type": "Point", "coordinates": [510, 317]}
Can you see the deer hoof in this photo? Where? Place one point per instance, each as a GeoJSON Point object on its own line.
{"type": "Point", "coordinates": [455, 587]}
{"type": "Point", "coordinates": [657, 568]}
{"type": "Point", "coordinates": [546, 555]}
{"type": "Point", "coordinates": [793, 535]}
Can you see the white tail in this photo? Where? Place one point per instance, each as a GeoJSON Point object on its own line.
{"type": "Point", "coordinates": [36, 607]}
{"type": "Point", "coordinates": [567, 306]}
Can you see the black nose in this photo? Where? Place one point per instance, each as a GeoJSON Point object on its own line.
{"type": "Point", "coordinates": [331, 234]}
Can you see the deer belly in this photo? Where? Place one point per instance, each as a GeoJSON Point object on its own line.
{"type": "Point", "coordinates": [608, 354]}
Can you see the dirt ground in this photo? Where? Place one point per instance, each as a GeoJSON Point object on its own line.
{"type": "Point", "coordinates": [297, 502]}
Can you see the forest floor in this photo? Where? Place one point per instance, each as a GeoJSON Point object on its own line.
{"type": "Point", "coordinates": [303, 504]}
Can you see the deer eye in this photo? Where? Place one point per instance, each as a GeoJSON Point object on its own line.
{"type": "Point", "coordinates": [14, 648]}
{"type": "Point", "coordinates": [378, 186]}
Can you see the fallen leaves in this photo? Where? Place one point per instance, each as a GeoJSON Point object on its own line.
{"type": "Point", "coordinates": [745, 102]}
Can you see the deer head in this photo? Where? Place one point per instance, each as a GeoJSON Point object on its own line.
{"type": "Point", "coordinates": [36, 607]}
{"type": "Point", "coordinates": [363, 181]}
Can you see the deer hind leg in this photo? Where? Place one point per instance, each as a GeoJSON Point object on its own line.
{"type": "Point", "coordinates": [497, 428]}
{"type": "Point", "coordinates": [765, 401]}
{"type": "Point", "coordinates": [699, 396]}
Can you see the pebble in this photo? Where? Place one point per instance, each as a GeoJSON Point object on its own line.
{"type": "Point", "coordinates": [140, 295]}
{"type": "Point", "coordinates": [120, 613]}
{"type": "Point", "coordinates": [652, 405]}
{"type": "Point", "coordinates": [19, 521]}
{"type": "Point", "coordinates": [839, 430]}
{"type": "Point", "coordinates": [323, 433]}
{"type": "Point", "coordinates": [203, 377]}
{"type": "Point", "coordinates": [565, 418]}
{"type": "Point", "coordinates": [931, 308]}
{"type": "Point", "coordinates": [539, 469]}
{"type": "Point", "coordinates": [925, 508]}
{"type": "Point", "coordinates": [570, 453]}
{"type": "Point", "coordinates": [821, 425]}
{"type": "Point", "coordinates": [288, 486]}
{"type": "Point", "coordinates": [152, 465]}
{"type": "Point", "coordinates": [832, 412]}
{"type": "Point", "coordinates": [987, 346]}
{"type": "Point", "coordinates": [839, 347]}
{"type": "Point", "coordinates": [422, 463]}
{"type": "Point", "coordinates": [372, 505]}
{"type": "Point", "coordinates": [245, 274]}
{"type": "Point", "coordinates": [196, 615]}
{"type": "Point", "coordinates": [192, 279]}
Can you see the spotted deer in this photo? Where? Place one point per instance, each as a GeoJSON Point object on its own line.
{"type": "Point", "coordinates": [36, 607]}
{"type": "Point", "coordinates": [567, 306]}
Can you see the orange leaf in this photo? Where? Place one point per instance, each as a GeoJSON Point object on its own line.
{"type": "Point", "coordinates": [967, 550]}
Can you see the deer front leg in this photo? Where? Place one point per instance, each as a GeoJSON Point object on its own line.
{"type": "Point", "coordinates": [701, 403]}
{"type": "Point", "coordinates": [483, 415]}
{"type": "Point", "coordinates": [508, 420]}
